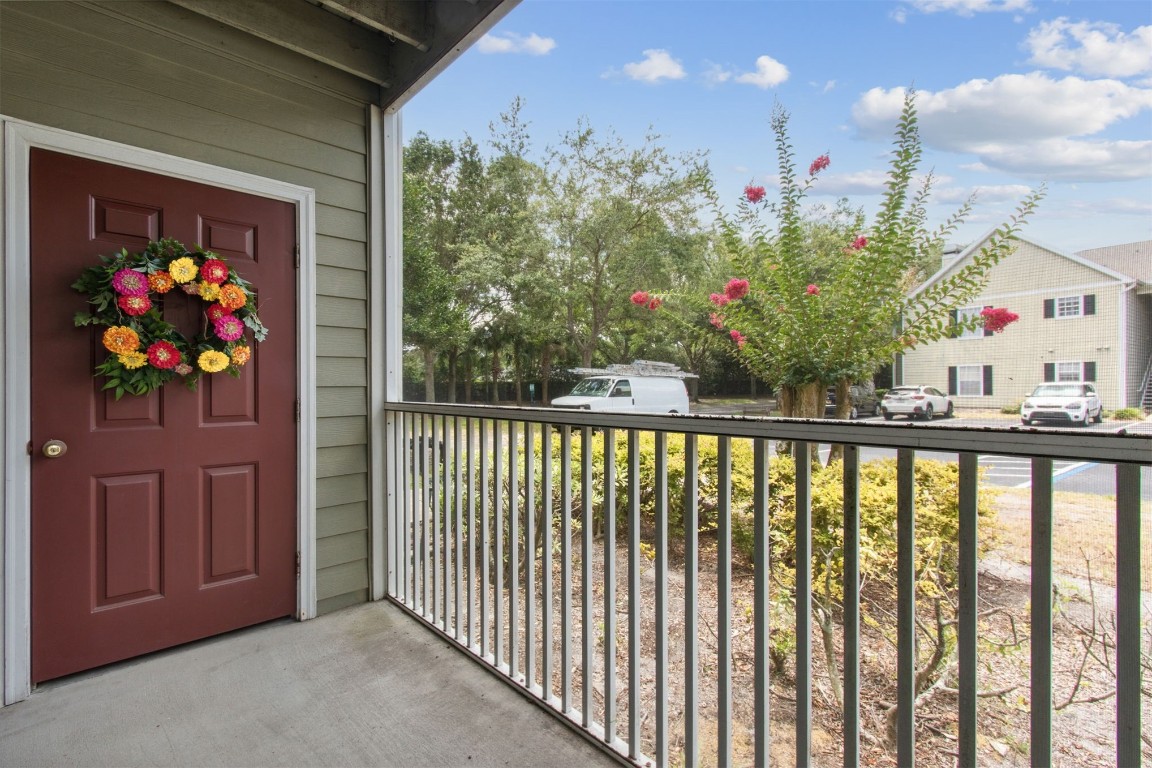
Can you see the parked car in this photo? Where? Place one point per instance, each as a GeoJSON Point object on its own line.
{"type": "Point", "coordinates": [1069, 402]}
{"type": "Point", "coordinates": [916, 402]}
{"type": "Point", "coordinates": [863, 401]}
{"type": "Point", "coordinates": [627, 394]}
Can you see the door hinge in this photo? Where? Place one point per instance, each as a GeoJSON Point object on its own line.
{"type": "Point", "coordinates": [297, 563]}
{"type": "Point", "coordinates": [297, 252]}
{"type": "Point", "coordinates": [297, 410]}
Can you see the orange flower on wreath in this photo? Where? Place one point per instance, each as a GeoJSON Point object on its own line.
{"type": "Point", "coordinates": [120, 340]}
{"type": "Point", "coordinates": [232, 297]}
{"type": "Point", "coordinates": [241, 355]}
{"type": "Point", "coordinates": [160, 282]}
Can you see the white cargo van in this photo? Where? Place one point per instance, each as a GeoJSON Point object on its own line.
{"type": "Point", "coordinates": [627, 394]}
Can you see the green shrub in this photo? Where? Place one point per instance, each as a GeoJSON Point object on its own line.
{"type": "Point", "coordinates": [1127, 414]}
{"type": "Point", "coordinates": [1012, 408]}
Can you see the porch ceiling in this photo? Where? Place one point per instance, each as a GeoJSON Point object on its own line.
{"type": "Point", "coordinates": [397, 44]}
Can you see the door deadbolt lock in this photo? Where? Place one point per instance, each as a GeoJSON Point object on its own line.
{"type": "Point", "coordinates": [54, 449]}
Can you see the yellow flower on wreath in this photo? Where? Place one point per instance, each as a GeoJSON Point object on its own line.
{"type": "Point", "coordinates": [120, 340]}
{"type": "Point", "coordinates": [209, 291]}
{"type": "Point", "coordinates": [132, 360]}
{"type": "Point", "coordinates": [212, 361]}
{"type": "Point", "coordinates": [182, 269]}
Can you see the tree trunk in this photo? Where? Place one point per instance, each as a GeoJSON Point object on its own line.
{"type": "Point", "coordinates": [518, 373]}
{"type": "Point", "coordinates": [843, 411]}
{"type": "Point", "coordinates": [545, 372]}
{"type": "Point", "coordinates": [805, 401]}
{"type": "Point", "coordinates": [429, 375]}
{"type": "Point", "coordinates": [453, 357]}
{"type": "Point", "coordinates": [468, 378]}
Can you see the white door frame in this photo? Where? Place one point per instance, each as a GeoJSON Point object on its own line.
{"type": "Point", "coordinates": [19, 138]}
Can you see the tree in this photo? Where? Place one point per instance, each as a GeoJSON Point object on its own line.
{"type": "Point", "coordinates": [803, 316]}
{"type": "Point", "coordinates": [611, 210]}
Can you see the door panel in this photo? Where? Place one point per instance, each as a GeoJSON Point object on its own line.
{"type": "Point", "coordinates": [171, 517]}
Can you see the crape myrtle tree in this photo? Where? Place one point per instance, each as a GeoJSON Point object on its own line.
{"type": "Point", "coordinates": [804, 317]}
{"type": "Point", "coordinates": [611, 211]}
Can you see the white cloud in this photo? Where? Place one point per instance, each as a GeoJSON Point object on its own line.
{"type": "Point", "coordinates": [1093, 48]}
{"type": "Point", "coordinates": [510, 42]}
{"type": "Point", "coordinates": [657, 65]}
{"type": "Point", "coordinates": [769, 73]}
{"type": "Point", "coordinates": [966, 7]}
{"type": "Point", "coordinates": [997, 193]}
{"type": "Point", "coordinates": [870, 182]}
{"type": "Point", "coordinates": [716, 74]}
{"type": "Point", "coordinates": [1120, 206]}
{"type": "Point", "coordinates": [1025, 124]}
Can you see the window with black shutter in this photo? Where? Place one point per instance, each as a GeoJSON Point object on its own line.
{"type": "Point", "coordinates": [1049, 309]}
{"type": "Point", "coordinates": [987, 380]}
{"type": "Point", "coordinates": [988, 331]}
{"type": "Point", "coordinates": [1049, 371]}
{"type": "Point", "coordinates": [953, 331]}
{"type": "Point", "coordinates": [1089, 304]}
{"type": "Point", "coordinates": [1090, 371]}
{"type": "Point", "coordinates": [952, 380]}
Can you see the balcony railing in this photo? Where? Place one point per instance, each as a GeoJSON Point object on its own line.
{"type": "Point", "coordinates": [506, 535]}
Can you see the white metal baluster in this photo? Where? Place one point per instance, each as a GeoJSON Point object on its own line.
{"type": "Point", "coordinates": [661, 599]}
{"type": "Point", "coordinates": [588, 627]}
{"type": "Point", "coordinates": [691, 602]}
{"type": "Point", "coordinates": [485, 541]}
{"type": "Point", "coordinates": [470, 471]}
{"type": "Point", "coordinates": [609, 585]}
{"type": "Point", "coordinates": [425, 503]}
{"type": "Point", "coordinates": [634, 686]}
{"type": "Point", "coordinates": [498, 535]}
{"type": "Point", "coordinates": [457, 467]}
{"type": "Point", "coordinates": [566, 569]}
{"type": "Point", "coordinates": [437, 515]}
{"type": "Point", "coordinates": [546, 557]}
{"type": "Point", "coordinates": [529, 555]}
{"type": "Point", "coordinates": [513, 553]}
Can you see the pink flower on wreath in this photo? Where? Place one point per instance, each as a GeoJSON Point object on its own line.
{"type": "Point", "coordinates": [859, 243]}
{"type": "Point", "coordinates": [655, 303]}
{"type": "Point", "coordinates": [134, 305]}
{"type": "Point", "coordinates": [736, 289]}
{"type": "Point", "coordinates": [640, 298]}
{"type": "Point", "coordinates": [738, 338]}
{"type": "Point", "coordinates": [183, 369]}
{"type": "Point", "coordinates": [819, 164]}
{"type": "Point", "coordinates": [719, 299]}
{"type": "Point", "coordinates": [229, 327]}
{"type": "Point", "coordinates": [129, 282]}
{"type": "Point", "coordinates": [753, 194]}
{"type": "Point", "coordinates": [812, 289]}
{"type": "Point", "coordinates": [996, 319]}
{"type": "Point", "coordinates": [716, 320]}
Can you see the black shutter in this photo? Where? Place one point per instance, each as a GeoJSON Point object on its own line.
{"type": "Point", "coordinates": [1090, 371]}
{"type": "Point", "coordinates": [987, 380]}
{"type": "Point", "coordinates": [1049, 371]}
{"type": "Point", "coordinates": [1089, 303]}
{"type": "Point", "coordinates": [1049, 309]}
{"type": "Point", "coordinates": [951, 379]}
{"type": "Point", "coordinates": [988, 331]}
{"type": "Point", "coordinates": [953, 331]}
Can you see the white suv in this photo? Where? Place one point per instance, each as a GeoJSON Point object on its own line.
{"type": "Point", "coordinates": [1070, 402]}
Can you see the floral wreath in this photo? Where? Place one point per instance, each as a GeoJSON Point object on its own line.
{"type": "Point", "coordinates": [147, 352]}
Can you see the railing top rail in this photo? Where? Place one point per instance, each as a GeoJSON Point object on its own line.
{"type": "Point", "coordinates": [1107, 447]}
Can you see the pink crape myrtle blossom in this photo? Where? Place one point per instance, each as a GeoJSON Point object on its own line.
{"type": "Point", "coordinates": [859, 243]}
{"type": "Point", "coordinates": [719, 299]}
{"type": "Point", "coordinates": [812, 289]}
{"type": "Point", "coordinates": [819, 164]}
{"type": "Point", "coordinates": [996, 319]}
{"type": "Point", "coordinates": [640, 298]}
{"type": "Point", "coordinates": [738, 338]}
{"type": "Point", "coordinates": [753, 194]}
{"type": "Point", "coordinates": [655, 303]}
{"type": "Point", "coordinates": [736, 289]}
{"type": "Point", "coordinates": [716, 320]}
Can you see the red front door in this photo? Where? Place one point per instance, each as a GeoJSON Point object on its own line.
{"type": "Point", "coordinates": [170, 517]}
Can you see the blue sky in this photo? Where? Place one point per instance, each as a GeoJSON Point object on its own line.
{"type": "Point", "coordinates": [1011, 93]}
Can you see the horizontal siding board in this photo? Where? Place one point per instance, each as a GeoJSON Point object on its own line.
{"type": "Point", "coordinates": [345, 489]}
{"type": "Point", "coordinates": [341, 342]}
{"type": "Point", "coordinates": [330, 604]}
{"type": "Point", "coordinates": [342, 401]}
{"type": "Point", "coordinates": [342, 222]}
{"type": "Point", "coordinates": [345, 518]}
{"type": "Point", "coordinates": [348, 283]}
{"type": "Point", "coordinates": [341, 460]}
{"type": "Point", "coordinates": [340, 372]}
{"type": "Point", "coordinates": [84, 46]}
{"type": "Point", "coordinates": [341, 579]}
{"type": "Point", "coordinates": [341, 252]}
{"type": "Point", "coordinates": [344, 430]}
{"type": "Point", "coordinates": [346, 313]}
{"type": "Point", "coordinates": [344, 548]}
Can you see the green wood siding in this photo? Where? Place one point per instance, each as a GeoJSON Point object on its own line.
{"type": "Point", "coordinates": [153, 75]}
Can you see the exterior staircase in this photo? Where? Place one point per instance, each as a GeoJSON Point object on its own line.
{"type": "Point", "coordinates": [1146, 397]}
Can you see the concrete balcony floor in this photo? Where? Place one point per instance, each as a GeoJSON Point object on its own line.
{"type": "Point", "coordinates": [365, 686]}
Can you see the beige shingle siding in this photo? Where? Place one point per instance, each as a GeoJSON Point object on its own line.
{"type": "Point", "coordinates": [1022, 282]}
{"type": "Point", "coordinates": [212, 94]}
